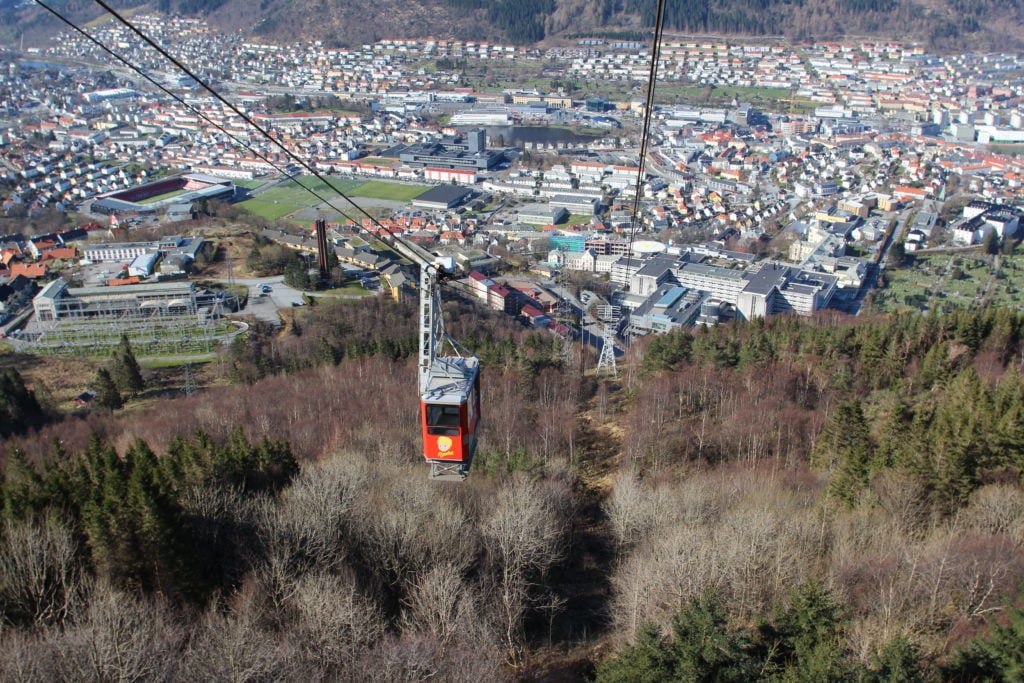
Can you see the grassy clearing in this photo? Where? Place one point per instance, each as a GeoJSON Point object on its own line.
{"type": "Point", "coordinates": [348, 289]}
{"type": "Point", "coordinates": [1010, 149]}
{"type": "Point", "coordinates": [301, 194]}
{"type": "Point", "coordinates": [578, 219]}
{"type": "Point", "coordinates": [911, 288]}
{"type": "Point", "coordinates": [377, 161]}
{"type": "Point", "coordinates": [377, 189]}
{"type": "Point", "coordinates": [249, 184]}
{"type": "Point", "coordinates": [268, 210]}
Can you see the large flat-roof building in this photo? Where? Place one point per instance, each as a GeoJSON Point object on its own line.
{"type": "Point", "coordinates": [443, 197]}
{"type": "Point", "coordinates": [57, 301]}
{"type": "Point", "coordinates": [582, 204]}
{"type": "Point", "coordinates": [763, 290]}
{"type": "Point", "coordinates": [542, 214]}
{"type": "Point", "coordinates": [668, 307]}
{"type": "Point", "coordinates": [468, 152]}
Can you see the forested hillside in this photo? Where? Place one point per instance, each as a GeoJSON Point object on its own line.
{"type": "Point", "coordinates": [944, 25]}
{"type": "Point", "coordinates": [785, 500]}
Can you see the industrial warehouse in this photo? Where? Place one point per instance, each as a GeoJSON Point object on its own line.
{"type": "Point", "coordinates": [57, 301]}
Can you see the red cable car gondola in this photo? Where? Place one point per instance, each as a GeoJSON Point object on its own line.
{"type": "Point", "coordinates": [449, 385]}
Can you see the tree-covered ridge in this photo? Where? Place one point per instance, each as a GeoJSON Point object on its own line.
{"type": "Point", "coordinates": [127, 509]}
{"type": "Point", "coordinates": [945, 25]}
{"type": "Point", "coordinates": [876, 459]}
{"type": "Point", "coordinates": [938, 398]}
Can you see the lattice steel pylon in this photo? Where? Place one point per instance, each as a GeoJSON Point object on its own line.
{"type": "Point", "coordinates": [609, 316]}
{"type": "Point", "coordinates": [190, 380]}
{"type": "Point", "coordinates": [564, 314]}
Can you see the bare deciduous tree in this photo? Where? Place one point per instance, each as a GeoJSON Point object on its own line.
{"type": "Point", "coordinates": [633, 509]}
{"type": "Point", "coordinates": [417, 657]}
{"type": "Point", "coordinates": [523, 534]}
{"type": "Point", "coordinates": [997, 509]}
{"type": "Point", "coordinates": [335, 621]}
{"type": "Point", "coordinates": [30, 657]}
{"type": "Point", "coordinates": [408, 526]}
{"type": "Point", "coordinates": [232, 646]}
{"type": "Point", "coordinates": [121, 637]}
{"type": "Point", "coordinates": [40, 580]}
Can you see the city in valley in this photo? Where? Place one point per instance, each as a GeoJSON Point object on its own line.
{"type": "Point", "coordinates": [438, 360]}
{"type": "Point", "coordinates": [777, 178]}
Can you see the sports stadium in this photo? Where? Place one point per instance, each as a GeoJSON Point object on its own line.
{"type": "Point", "coordinates": [157, 196]}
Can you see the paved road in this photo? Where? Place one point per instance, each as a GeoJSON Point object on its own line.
{"type": "Point", "coordinates": [265, 306]}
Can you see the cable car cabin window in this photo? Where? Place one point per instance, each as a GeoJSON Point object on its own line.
{"type": "Point", "coordinates": [443, 420]}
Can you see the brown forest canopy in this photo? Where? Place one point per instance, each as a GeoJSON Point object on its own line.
{"type": "Point", "coordinates": [858, 479]}
{"type": "Point", "coordinates": [945, 25]}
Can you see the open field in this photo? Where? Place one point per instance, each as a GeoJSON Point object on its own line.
{"type": "Point", "coordinates": [578, 219]}
{"type": "Point", "coordinates": [298, 193]}
{"type": "Point", "coordinates": [249, 184]}
{"type": "Point", "coordinates": [268, 210]}
{"type": "Point", "coordinates": [1010, 149]}
{"type": "Point", "coordinates": [377, 161]}
{"type": "Point", "coordinates": [378, 189]}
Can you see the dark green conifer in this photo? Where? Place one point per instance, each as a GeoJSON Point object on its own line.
{"type": "Point", "coordinates": [107, 395]}
{"type": "Point", "coordinates": [125, 370]}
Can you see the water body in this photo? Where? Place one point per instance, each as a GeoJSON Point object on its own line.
{"type": "Point", "coordinates": [517, 136]}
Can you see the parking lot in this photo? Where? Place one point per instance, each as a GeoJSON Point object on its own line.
{"type": "Point", "coordinates": [264, 305]}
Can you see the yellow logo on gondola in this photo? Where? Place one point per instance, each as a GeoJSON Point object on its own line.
{"type": "Point", "coordinates": [444, 444]}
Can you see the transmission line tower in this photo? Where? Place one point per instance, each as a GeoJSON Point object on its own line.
{"type": "Point", "coordinates": [609, 317]}
{"type": "Point", "coordinates": [565, 315]}
{"type": "Point", "coordinates": [190, 380]}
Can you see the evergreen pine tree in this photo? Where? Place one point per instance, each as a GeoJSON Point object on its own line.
{"type": "Point", "coordinates": [19, 408]}
{"type": "Point", "coordinates": [806, 638]}
{"type": "Point", "coordinates": [648, 661]}
{"type": "Point", "coordinates": [125, 371]}
{"type": "Point", "coordinates": [899, 661]}
{"type": "Point", "coordinates": [22, 487]}
{"type": "Point", "coordinates": [853, 454]}
{"type": "Point", "coordinates": [703, 647]}
{"type": "Point", "coordinates": [107, 394]}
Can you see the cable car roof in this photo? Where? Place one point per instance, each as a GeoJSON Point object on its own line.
{"type": "Point", "coordinates": [450, 379]}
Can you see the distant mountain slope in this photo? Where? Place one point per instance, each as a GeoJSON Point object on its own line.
{"type": "Point", "coordinates": [944, 25]}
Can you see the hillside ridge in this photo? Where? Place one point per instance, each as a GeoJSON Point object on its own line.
{"type": "Point", "coordinates": [941, 25]}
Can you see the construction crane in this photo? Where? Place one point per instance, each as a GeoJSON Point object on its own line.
{"type": "Point", "coordinates": [449, 385]}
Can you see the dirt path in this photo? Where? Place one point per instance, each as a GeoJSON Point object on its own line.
{"type": "Point", "coordinates": [585, 583]}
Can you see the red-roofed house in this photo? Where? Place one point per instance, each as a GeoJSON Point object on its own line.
{"type": "Point", "coordinates": [503, 299]}
{"type": "Point", "coordinates": [480, 284]}
{"type": "Point", "coordinates": [7, 257]}
{"type": "Point", "coordinates": [59, 254]}
{"type": "Point", "coordinates": [902, 192]}
{"type": "Point", "coordinates": [33, 271]}
{"type": "Point", "coordinates": [36, 249]}
{"type": "Point", "coordinates": [535, 316]}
